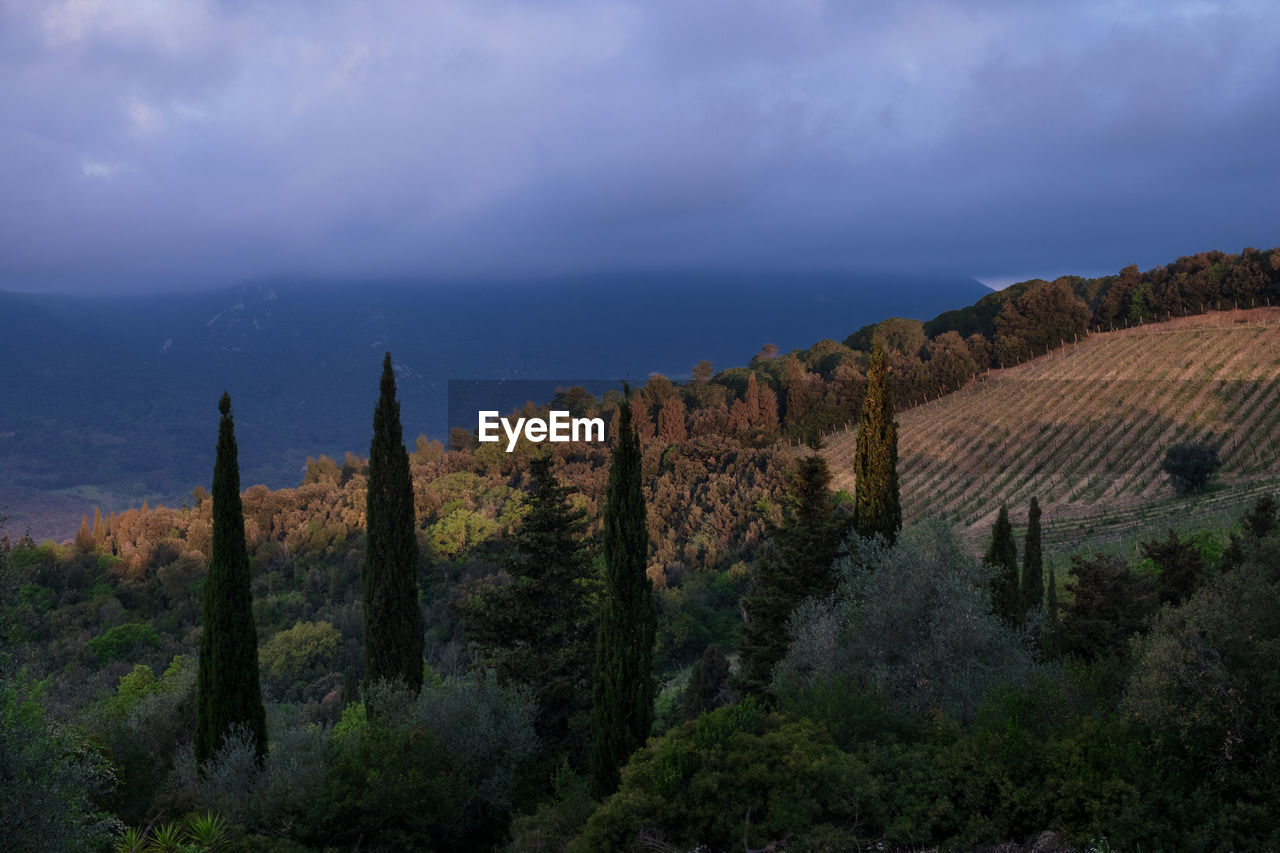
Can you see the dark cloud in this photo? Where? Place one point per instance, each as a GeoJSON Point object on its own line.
{"type": "Point", "coordinates": [191, 144]}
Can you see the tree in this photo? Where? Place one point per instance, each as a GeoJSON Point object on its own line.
{"type": "Point", "coordinates": [228, 692]}
{"type": "Point", "coordinates": [622, 681]}
{"type": "Point", "coordinates": [1180, 564]}
{"type": "Point", "coordinates": [910, 622]}
{"type": "Point", "coordinates": [393, 625]}
{"type": "Point", "coordinates": [877, 506]}
{"type": "Point", "coordinates": [1108, 605]}
{"type": "Point", "coordinates": [1190, 466]}
{"type": "Point", "coordinates": [1032, 562]}
{"type": "Point", "coordinates": [535, 630]}
{"type": "Point", "coordinates": [798, 565]}
{"type": "Point", "coordinates": [707, 687]}
{"type": "Point", "coordinates": [1002, 555]}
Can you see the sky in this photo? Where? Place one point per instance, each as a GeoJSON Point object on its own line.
{"type": "Point", "coordinates": [149, 145]}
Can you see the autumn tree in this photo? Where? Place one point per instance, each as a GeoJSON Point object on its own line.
{"type": "Point", "coordinates": [393, 624]}
{"type": "Point", "coordinates": [622, 680]}
{"type": "Point", "coordinates": [228, 692]}
{"type": "Point", "coordinates": [877, 505]}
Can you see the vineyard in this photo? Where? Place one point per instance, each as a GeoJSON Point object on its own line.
{"type": "Point", "coordinates": [1085, 429]}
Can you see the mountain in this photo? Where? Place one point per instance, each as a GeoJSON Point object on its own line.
{"type": "Point", "coordinates": [1085, 429]}
{"type": "Point", "coordinates": [110, 401]}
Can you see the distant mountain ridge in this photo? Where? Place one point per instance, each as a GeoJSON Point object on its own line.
{"type": "Point", "coordinates": [110, 400]}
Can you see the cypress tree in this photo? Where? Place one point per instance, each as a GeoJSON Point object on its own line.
{"type": "Point", "coordinates": [1052, 642]}
{"type": "Point", "coordinates": [622, 681]}
{"type": "Point", "coordinates": [799, 565]}
{"type": "Point", "coordinates": [1002, 555]}
{"type": "Point", "coordinates": [228, 692]}
{"type": "Point", "coordinates": [1032, 562]}
{"type": "Point", "coordinates": [877, 506]}
{"type": "Point", "coordinates": [393, 625]}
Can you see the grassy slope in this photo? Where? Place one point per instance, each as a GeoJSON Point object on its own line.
{"type": "Point", "coordinates": [1086, 427]}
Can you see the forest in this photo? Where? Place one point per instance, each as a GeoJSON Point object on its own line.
{"type": "Point", "coordinates": [684, 639]}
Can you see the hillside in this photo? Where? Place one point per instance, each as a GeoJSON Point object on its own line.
{"type": "Point", "coordinates": [108, 399]}
{"type": "Point", "coordinates": [1085, 428]}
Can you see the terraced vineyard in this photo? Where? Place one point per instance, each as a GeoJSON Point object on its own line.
{"type": "Point", "coordinates": [1085, 429]}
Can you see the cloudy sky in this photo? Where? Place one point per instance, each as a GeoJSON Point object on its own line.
{"type": "Point", "coordinates": [192, 143]}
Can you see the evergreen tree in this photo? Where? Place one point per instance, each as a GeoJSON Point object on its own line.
{"type": "Point", "coordinates": [535, 630]}
{"type": "Point", "coordinates": [799, 564]}
{"type": "Point", "coordinates": [228, 692]}
{"type": "Point", "coordinates": [622, 681]}
{"type": "Point", "coordinates": [1051, 640]}
{"type": "Point", "coordinates": [706, 688]}
{"type": "Point", "coordinates": [393, 625]}
{"type": "Point", "coordinates": [1002, 555]}
{"type": "Point", "coordinates": [1032, 562]}
{"type": "Point", "coordinates": [877, 506]}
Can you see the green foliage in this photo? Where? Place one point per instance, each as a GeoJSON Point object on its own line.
{"type": "Point", "coordinates": [800, 565]}
{"type": "Point", "coordinates": [123, 641]}
{"type": "Point", "coordinates": [1204, 679]}
{"type": "Point", "coordinates": [622, 680]}
{"type": "Point", "coordinates": [708, 683]}
{"type": "Point", "coordinates": [536, 629]}
{"type": "Point", "coordinates": [553, 824]}
{"type": "Point", "coordinates": [878, 507]}
{"type": "Point", "coordinates": [299, 653]}
{"type": "Point", "coordinates": [1190, 466]}
{"type": "Point", "coordinates": [695, 785]}
{"type": "Point", "coordinates": [439, 771]}
{"type": "Point", "coordinates": [1032, 591]}
{"type": "Point", "coordinates": [199, 833]}
{"type": "Point", "coordinates": [228, 691]}
{"type": "Point", "coordinates": [1002, 557]}
{"type": "Point", "coordinates": [145, 727]}
{"type": "Point", "coordinates": [913, 622]}
{"type": "Point", "coordinates": [51, 780]}
{"type": "Point", "coordinates": [393, 623]}
{"type": "Point", "coordinates": [1109, 603]}
{"type": "Point", "coordinates": [1181, 567]}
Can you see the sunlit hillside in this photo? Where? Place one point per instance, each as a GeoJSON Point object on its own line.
{"type": "Point", "coordinates": [1086, 427]}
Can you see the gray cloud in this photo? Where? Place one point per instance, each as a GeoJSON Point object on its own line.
{"type": "Point", "coordinates": [190, 144]}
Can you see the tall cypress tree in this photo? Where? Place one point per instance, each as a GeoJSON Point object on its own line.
{"type": "Point", "coordinates": [1032, 562]}
{"type": "Point", "coordinates": [228, 692]}
{"type": "Point", "coordinates": [393, 625]}
{"type": "Point", "coordinates": [800, 565]}
{"type": "Point", "coordinates": [622, 681]}
{"type": "Point", "coordinates": [877, 506]}
{"type": "Point", "coordinates": [1002, 555]}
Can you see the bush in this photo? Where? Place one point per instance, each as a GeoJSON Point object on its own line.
{"type": "Point", "coordinates": [439, 771]}
{"type": "Point", "coordinates": [1190, 466]}
{"type": "Point", "coordinates": [913, 622]}
{"type": "Point", "coordinates": [695, 786]}
{"type": "Point", "coordinates": [50, 780]}
{"type": "Point", "coordinates": [120, 642]}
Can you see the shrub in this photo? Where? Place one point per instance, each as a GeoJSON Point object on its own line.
{"type": "Point", "coordinates": [120, 642]}
{"type": "Point", "coordinates": [50, 782]}
{"type": "Point", "coordinates": [912, 621]}
{"type": "Point", "coordinates": [1190, 466]}
{"type": "Point", "coordinates": [695, 785]}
